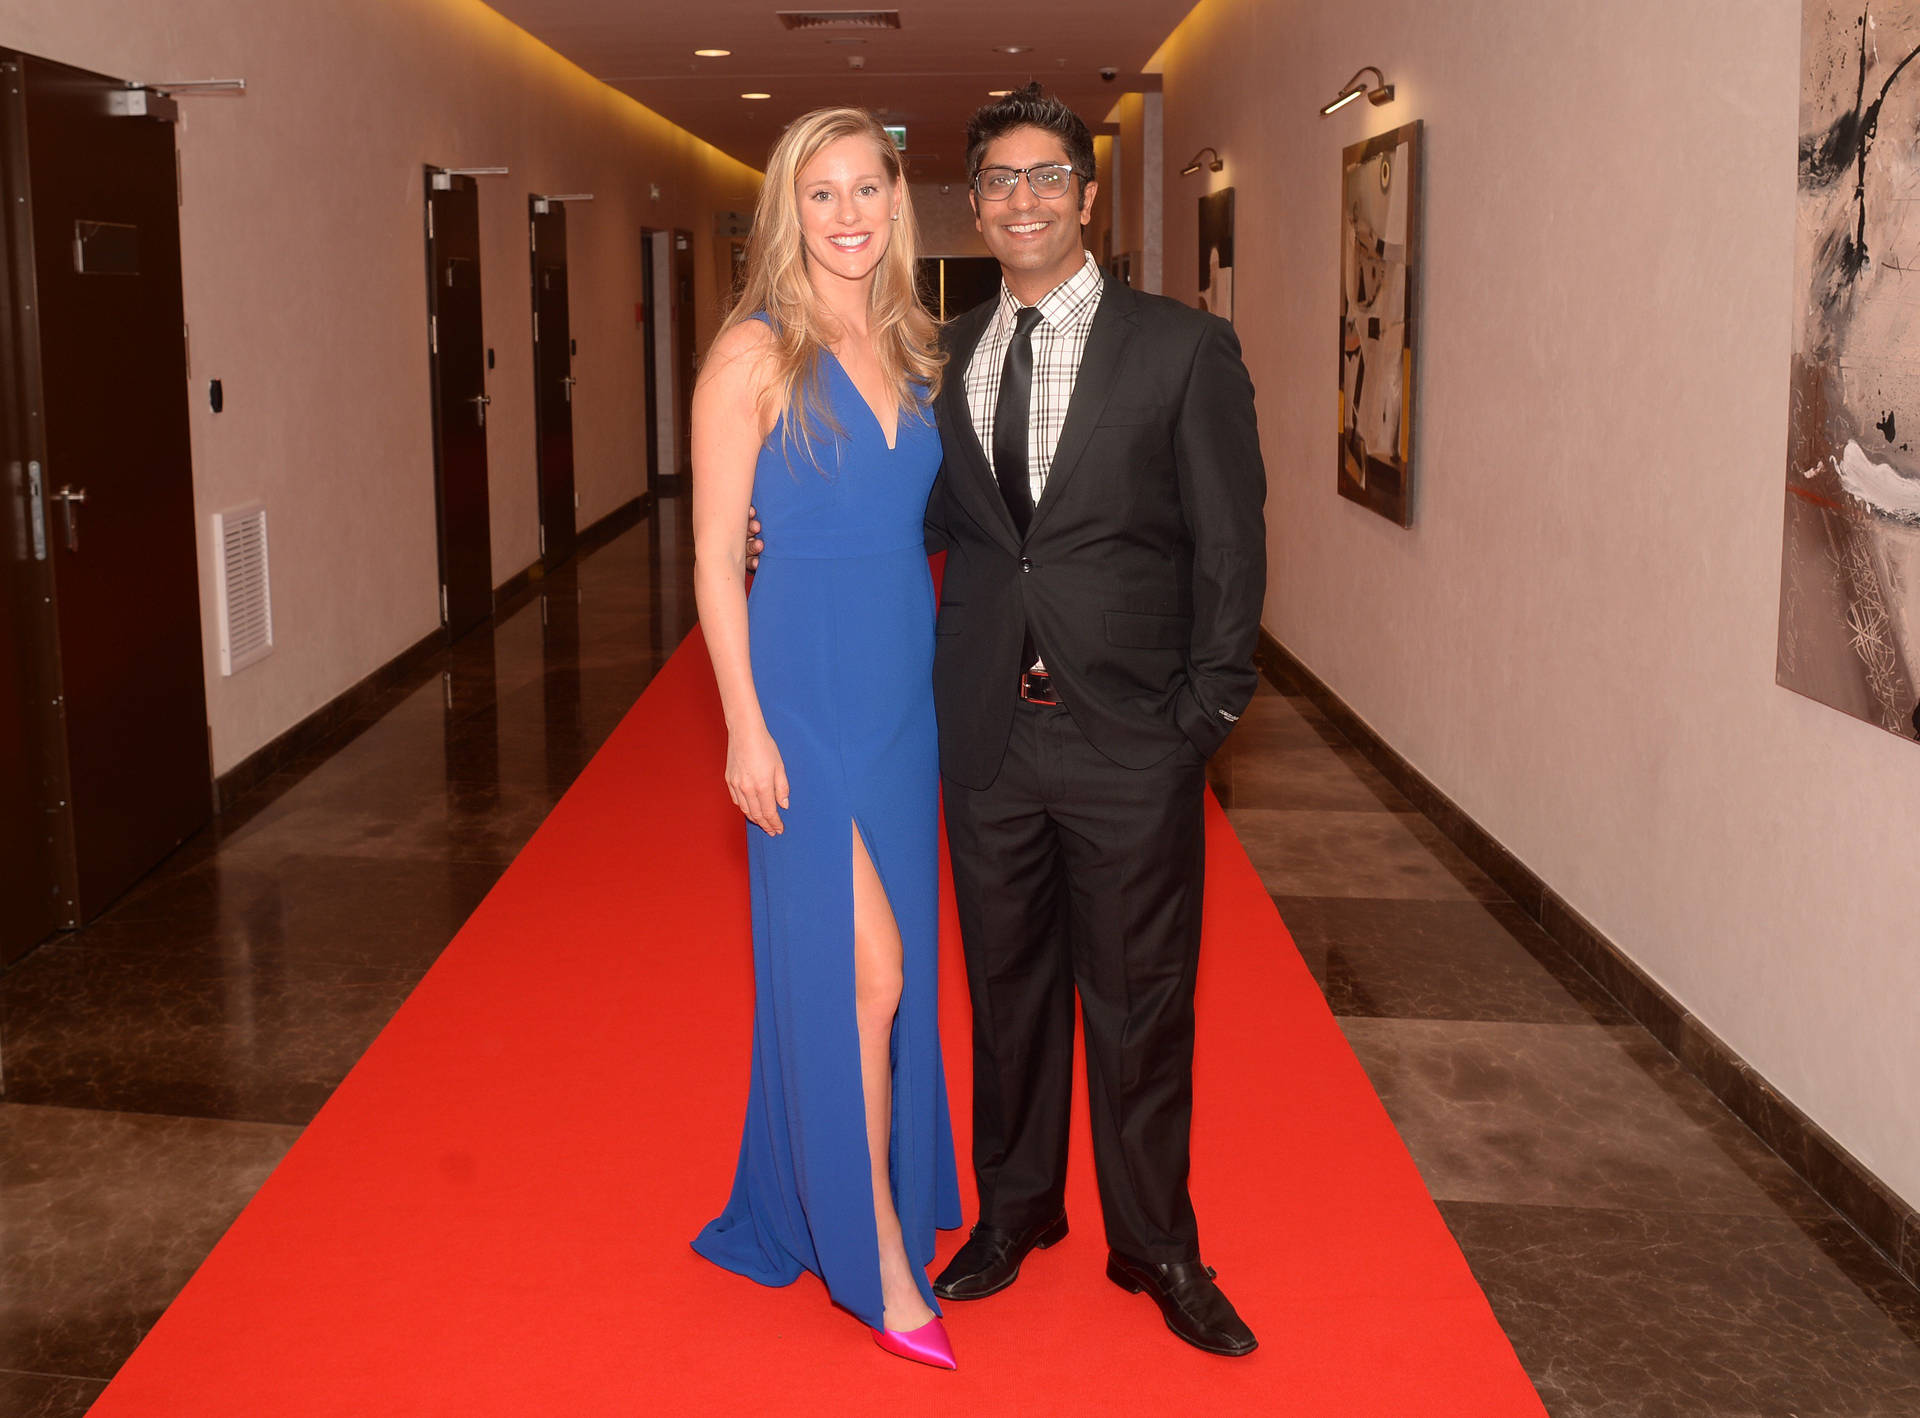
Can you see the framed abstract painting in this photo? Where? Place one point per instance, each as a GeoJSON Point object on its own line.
{"type": "Point", "coordinates": [1379, 274]}
{"type": "Point", "coordinates": [1850, 555]}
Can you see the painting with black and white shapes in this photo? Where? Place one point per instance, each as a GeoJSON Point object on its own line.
{"type": "Point", "coordinates": [1850, 563]}
{"type": "Point", "coordinates": [1216, 252]}
{"type": "Point", "coordinates": [1379, 265]}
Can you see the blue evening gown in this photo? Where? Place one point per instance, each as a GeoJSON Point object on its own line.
{"type": "Point", "coordinates": [840, 626]}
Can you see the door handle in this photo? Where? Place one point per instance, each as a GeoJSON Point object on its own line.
{"type": "Point", "coordinates": [479, 402]}
{"type": "Point", "coordinates": [569, 381]}
{"type": "Point", "coordinates": [67, 497]}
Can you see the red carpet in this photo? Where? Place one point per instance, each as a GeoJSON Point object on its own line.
{"type": "Point", "coordinates": [491, 1216]}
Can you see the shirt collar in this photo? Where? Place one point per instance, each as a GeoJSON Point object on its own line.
{"type": "Point", "coordinates": [1073, 296]}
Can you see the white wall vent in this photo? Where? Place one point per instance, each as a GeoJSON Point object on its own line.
{"type": "Point", "coordinates": [242, 591]}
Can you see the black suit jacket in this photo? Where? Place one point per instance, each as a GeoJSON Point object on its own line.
{"type": "Point", "coordinates": [1143, 571]}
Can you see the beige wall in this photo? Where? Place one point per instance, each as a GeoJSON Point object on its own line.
{"type": "Point", "coordinates": [1576, 639]}
{"type": "Point", "coordinates": [1099, 235]}
{"type": "Point", "coordinates": [305, 292]}
{"type": "Point", "coordinates": [946, 220]}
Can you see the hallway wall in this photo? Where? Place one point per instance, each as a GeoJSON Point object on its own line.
{"type": "Point", "coordinates": [946, 220]}
{"type": "Point", "coordinates": [304, 272]}
{"type": "Point", "coordinates": [1576, 639]}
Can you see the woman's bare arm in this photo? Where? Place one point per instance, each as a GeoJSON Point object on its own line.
{"type": "Point", "coordinates": [727, 434]}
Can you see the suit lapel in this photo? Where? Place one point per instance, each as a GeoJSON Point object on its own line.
{"type": "Point", "coordinates": [972, 470]}
{"type": "Point", "coordinates": [1113, 326]}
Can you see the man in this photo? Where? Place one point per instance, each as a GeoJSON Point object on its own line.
{"type": "Point", "coordinates": [1101, 510]}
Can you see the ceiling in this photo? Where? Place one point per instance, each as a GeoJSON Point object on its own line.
{"type": "Point", "coordinates": [929, 74]}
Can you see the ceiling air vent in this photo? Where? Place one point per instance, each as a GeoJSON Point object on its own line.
{"type": "Point", "coordinates": [240, 573]}
{"type": "Point", "coordinates": [840, 19]}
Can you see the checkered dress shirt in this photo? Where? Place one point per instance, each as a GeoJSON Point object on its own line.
{"type": "Point", "coordinates": [1059, 340]}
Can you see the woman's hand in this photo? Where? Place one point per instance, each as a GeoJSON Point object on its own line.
{"type": "Point", "coordinates": [757, 779]}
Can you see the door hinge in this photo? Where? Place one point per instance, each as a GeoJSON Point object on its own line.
{"type": "Point", "coordinates": [433, 334]}
{"type": "Point", "coordinates": [443, 605]}
{"type": "Point", "coordinates": [429, 219]}
{"type": "Point", "coordinates": [536, 327]}
{"type": "Point", "coordinates": [533, 236]}
{"type": "Point", "coordinates": [543, 541]}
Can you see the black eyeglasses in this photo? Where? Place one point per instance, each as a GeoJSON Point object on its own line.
{"type": "Point", "coordinates": [1047, 181]}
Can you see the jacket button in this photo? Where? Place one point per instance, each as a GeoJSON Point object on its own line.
{"type": "Point", "coordinates": [1025, 565]}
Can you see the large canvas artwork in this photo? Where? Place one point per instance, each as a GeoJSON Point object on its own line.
{"type": "Point", "coordinates": [1379, 264]}
{"type": "Point", "coordinates": [1850, 564]}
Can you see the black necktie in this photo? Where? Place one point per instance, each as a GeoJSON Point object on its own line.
{"type": "Point", "coordinates": [1010, 412]}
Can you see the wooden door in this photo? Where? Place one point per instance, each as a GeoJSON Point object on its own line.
{"type": "Point", "coordinates": [649, 313]}
{"type": "Point", "coordinates": [552, 380]}
{"type": "Point", "coordinates": [682, 314]}
{"type": "Point", "coordinates": [31, 884]}
{"type": "Point", "coordinates": [100, 313]}
{"type": "Point", "coordinates": [457, 343]}
{"type": "Point", "coordinates": [967, 281]}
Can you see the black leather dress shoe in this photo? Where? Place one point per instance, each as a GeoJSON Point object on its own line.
{"type": "Point", "coordinates": [1193, 1305]}
{"type": "Point", "coordinates": [990, 1260]}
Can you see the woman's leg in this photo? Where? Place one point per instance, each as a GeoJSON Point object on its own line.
{"type": "Point", "coordinates": [877, 982]}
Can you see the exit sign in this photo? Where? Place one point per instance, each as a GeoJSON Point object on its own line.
{"type": "Point", "coordinates": [898, 132]}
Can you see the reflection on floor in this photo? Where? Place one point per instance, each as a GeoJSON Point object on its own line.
{"type": "Point", "coordinates": [1646, 1254]}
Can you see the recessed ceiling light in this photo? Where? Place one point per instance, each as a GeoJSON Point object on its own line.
{"type": "Point", "coordinates": [998, 93]}
{"type": "Point", "coordinates": [756, 95]}
{"type": "Point", "coordinates": [713, 53]}
{"type": "Point", "coordinates": [1011, 48]}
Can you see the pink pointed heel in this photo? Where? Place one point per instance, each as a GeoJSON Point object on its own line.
{"type": "Point", "coordinates": [926, 1345]}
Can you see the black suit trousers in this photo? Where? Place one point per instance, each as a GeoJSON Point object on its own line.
{"type": "Point", "coordinates": [1074, 873]}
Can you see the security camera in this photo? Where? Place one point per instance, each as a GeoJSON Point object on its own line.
{"type": "Point", "coordinates": [1109, 74]}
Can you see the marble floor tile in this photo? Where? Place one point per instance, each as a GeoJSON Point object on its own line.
{"type": "Point", "coordinates": [1300, 778]}
{"type": "Point", "coordinates": [1630, 1314]}
{"type": "Point", "coordinates": [104, 1216]}
{"type": "Point", "coordinates": [1370, 854]}
{"type": "Point", "coordinates": [416, 807]}
{"type": "Point", "coordinates": [1441, 960]}
{"type": "Point", "coordinates": [1556, 1115]}
{"type": "Point", "coordinates": [1455, 861]}
{"type": "Point", "coordinates": [46, 1395]}
{"type": "Point", "coordinates": [263, 1040]}
{"type": "Point", "coordinates": [396, 912]}
{"type": "Point", "coordinates": [492, 748]}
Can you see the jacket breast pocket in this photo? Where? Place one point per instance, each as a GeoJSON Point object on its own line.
{"type": "Point", "coordinates": [1136, 631]}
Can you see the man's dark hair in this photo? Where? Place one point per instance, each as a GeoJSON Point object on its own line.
{"type": "Point", "coordinates": [1030, 107]}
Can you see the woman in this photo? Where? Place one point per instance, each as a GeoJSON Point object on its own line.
{"type": "Point", "coordinates": [814, 404]}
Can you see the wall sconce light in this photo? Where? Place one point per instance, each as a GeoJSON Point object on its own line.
{"type": "Point", "coordinates": [1192, 167]}
{"type": "Point", "coordinates": [1353, 89]}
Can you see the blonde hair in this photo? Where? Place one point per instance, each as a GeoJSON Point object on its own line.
{"type": "Point", "coordinates": [776, 282]}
